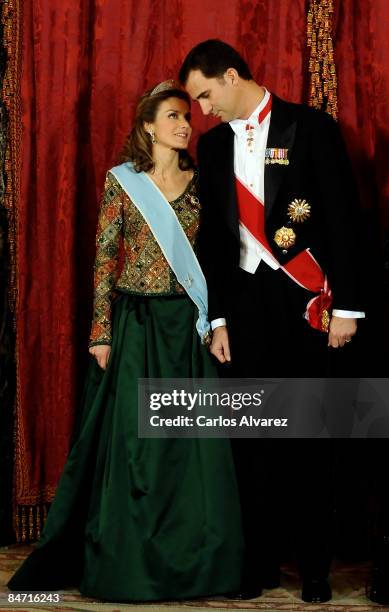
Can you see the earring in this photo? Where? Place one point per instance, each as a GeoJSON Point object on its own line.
{"type": "Point", "coordinates": [152, 136]}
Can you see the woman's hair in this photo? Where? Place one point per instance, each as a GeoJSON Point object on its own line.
{"type": "Point", "coordinates": [138, 146]}
{"type": "Point", "coordinates": [213, 57]}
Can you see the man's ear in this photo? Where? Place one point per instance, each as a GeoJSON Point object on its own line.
{"type": "Point", "coordinates": [231, 76]}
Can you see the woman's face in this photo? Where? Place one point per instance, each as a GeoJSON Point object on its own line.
{"type": "Point", "coordinates": [171, 126]}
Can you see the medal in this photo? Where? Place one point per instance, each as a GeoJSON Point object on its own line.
{"type": "Point", "coordinates": [299, 210]}
{"type": "Point", "coordinates": [276, 156]}
{"type": "Point", "coordinates": [285, 237]}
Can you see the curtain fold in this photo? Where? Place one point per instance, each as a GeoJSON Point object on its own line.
{"type": "Point", "coordinates": [362, 52]}
{"type": "Point", "coordinates": [84, 65]}
{"type": "Point", "coordinates": [10, 133]}
{"type": "Point", "coordinates": [272, 38]}
{"type": "Point", "coordinates": [362, 60]}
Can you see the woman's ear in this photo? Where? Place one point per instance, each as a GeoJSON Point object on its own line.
{"type": "Point", "coordinates": [149, 128]}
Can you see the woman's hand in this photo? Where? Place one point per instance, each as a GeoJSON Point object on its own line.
{"type": "Point", "coordinates": [101, 354]}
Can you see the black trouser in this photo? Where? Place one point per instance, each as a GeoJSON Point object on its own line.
{"type": "Point", "coordinates": [378, 458]}
{"type": "Point", "coordinates": [286, 496]}
{"type": "Point", "coordinates": [285, 484]}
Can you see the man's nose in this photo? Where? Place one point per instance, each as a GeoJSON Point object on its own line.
{"type": "Point", "coordinates": [206, 107]}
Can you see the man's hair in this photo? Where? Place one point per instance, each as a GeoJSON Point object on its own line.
{"type": "Point", "coordinates": [213, 57]}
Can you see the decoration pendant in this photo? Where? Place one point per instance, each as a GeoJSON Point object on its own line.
{"type": "Point", "coordinates": [285, 237]}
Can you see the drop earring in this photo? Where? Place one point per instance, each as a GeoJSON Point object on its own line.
{"type": "Point", "coordinates": [152, 136]}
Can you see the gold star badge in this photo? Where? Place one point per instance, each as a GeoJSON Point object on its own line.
{"type": "Point", "coordinates": [285, 237]}
{"type": "Point", "coordinates": [299, 210]}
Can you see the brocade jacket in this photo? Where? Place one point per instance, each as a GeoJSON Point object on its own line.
{"type": "Point", "coordinates": [145, 270]}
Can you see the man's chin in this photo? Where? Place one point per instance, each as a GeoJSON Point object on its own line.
{"type": "Point", "coordinates": [223, 118]}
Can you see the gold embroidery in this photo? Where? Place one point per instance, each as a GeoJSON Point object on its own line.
{"type": "Point", "coordinates": [11, 22]}
{"type": "Point", "coordinates": [325, 320]}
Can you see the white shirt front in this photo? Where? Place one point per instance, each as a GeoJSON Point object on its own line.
{"type": "Point", "coordinates": [249, 167]}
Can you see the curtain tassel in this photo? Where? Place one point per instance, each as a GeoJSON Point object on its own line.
{"type": "Point", "coordinates": [321, 65]}
{"type": "Point", "coordinates": [29, 522]}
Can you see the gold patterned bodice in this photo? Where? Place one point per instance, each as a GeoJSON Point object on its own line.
{"type": "Point", "coordinates": [145, 270]}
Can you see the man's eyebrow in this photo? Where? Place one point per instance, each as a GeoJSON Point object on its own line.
{"type": "Point", "coordinates": [203, 93]}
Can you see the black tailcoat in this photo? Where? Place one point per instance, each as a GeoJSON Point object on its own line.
{"type": "Point", "coordinates": [268, 335]}
{"type": "Point", "coordinates": [319, 171]}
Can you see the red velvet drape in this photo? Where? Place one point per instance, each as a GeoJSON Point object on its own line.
{"type": "Point", "coordinates": [84, 65]}
{"type": "Point", "coordinates": [362, 60]}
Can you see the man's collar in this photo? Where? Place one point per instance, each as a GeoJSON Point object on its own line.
{"type": "Point", "coordinates": [239, 124]}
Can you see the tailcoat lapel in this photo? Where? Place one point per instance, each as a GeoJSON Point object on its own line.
{"type": "Point", "coordinates": [281, 135]}
{"type": "Point", "coordinates": [226, 178]}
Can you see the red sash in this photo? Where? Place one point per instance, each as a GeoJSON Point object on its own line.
{"type": "Point", "coordinates": [303, 269]}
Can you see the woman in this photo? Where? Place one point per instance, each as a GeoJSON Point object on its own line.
{"type": "Point", "coordinates": [142, 519]}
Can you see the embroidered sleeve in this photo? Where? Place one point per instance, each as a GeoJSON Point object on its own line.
{"type": "Point", "coordinates": [106, 263]}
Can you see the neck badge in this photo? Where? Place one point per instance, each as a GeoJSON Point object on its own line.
{"type": "Point", "coordinates": [250, 137]}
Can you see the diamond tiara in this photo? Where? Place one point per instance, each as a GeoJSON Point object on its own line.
{"type": "Point", "coordinates": [165, 85]}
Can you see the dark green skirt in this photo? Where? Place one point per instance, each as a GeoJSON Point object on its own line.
{"type": "Point", "coordinates": [141, 519]}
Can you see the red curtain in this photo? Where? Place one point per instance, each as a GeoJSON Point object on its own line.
{"type": "Point", "coordinates": [84, 66]}
{"type": "Point", "coordinates": [362, 61]}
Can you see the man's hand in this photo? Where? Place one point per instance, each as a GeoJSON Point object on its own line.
{"type": "Point", "coordinates": [341, 331]}
{"type": "Point", "coordinates": [220, 346]}
{"type": "Point", "coordinates": [101, 353]}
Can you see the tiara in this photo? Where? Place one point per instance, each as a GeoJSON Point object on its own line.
{"type": "Point", "coordinates": [165, 85]}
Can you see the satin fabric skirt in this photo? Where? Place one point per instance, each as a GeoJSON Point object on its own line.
{"type": "Point", "coordinates": [141, 519]}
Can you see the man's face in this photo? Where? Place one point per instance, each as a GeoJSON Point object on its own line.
{"type": "Point", "coordinates": [216, 95]}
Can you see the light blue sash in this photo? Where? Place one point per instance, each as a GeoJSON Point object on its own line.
{"type": "Point", "coordinates": [163, 222]}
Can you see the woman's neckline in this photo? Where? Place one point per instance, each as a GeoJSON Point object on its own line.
{"type": "Point", "coordinates": [185, 190]}
{"type": "Point", "coordinates": [182, 194]}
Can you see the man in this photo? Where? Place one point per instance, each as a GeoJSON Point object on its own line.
{"type": "Point", "coordinates": [278, 249]}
